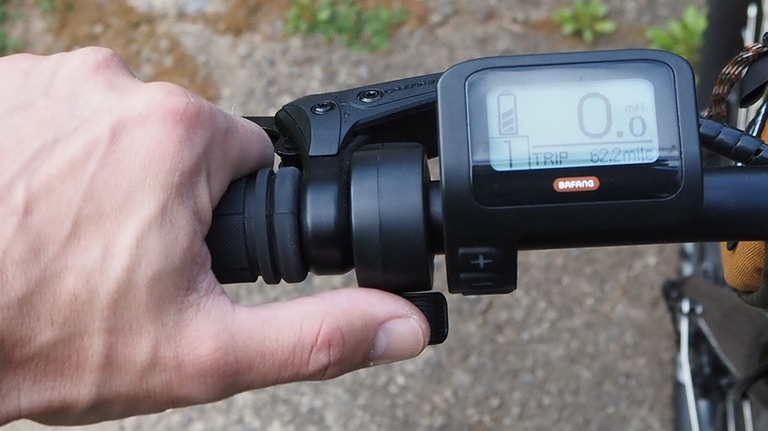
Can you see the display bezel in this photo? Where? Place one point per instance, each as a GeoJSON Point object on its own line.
{"type": "Point", "coordinates": [566, 219]}
{"type": "Point", "coordinates": [659, 179]}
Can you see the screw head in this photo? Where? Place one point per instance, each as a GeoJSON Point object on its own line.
{"type": "Point", "coordinates": [369, 96]}
{"type": "Point", "coordinates": [323, 108]}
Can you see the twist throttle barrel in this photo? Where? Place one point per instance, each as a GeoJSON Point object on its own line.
{"type": "Point", "coordinates": [255, 233]}
{"type": "Point", "coordinates": [252, 214]}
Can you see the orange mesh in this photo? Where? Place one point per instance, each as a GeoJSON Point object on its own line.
{"type": "Point", "coordinates": [743, 267]}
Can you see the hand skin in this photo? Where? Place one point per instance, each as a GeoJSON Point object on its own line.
{"type": "Point", "coordinates": [108, 306]}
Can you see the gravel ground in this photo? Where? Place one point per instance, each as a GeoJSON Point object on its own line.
{"type": "Point", "coordinates": [585, 342]}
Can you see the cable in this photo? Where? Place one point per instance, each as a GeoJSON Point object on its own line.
{"type": "Point", "coordinates": [732, 143]}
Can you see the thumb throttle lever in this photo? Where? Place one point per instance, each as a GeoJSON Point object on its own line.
{"type": "Point", "coordinates": [435, 308]}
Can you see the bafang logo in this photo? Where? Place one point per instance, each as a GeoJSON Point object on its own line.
{"type": "Point", "coordinates": [576, 184]}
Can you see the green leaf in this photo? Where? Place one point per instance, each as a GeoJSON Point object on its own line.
{"type": "Point", "coordinates": [344, 21]}
{"type": "Point", "coordinates": [587, 19]}
{"type": "Point", "coordinates": [606, 27]}
{"type": "Point", "coordinates": [569, 28]}
{"type": "Point", "coordinates": [683, 36]}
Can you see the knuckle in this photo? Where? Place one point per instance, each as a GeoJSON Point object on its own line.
{"type": "Point", "coordinates": [175, 133]}
{"type": "Point", "coordinates": [100, 59]}
{"type": "Point", "coordinates": [326, 352]}
{"type": "Point", "coordinates": [175, 105]}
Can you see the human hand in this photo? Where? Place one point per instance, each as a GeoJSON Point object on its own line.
{"type": "Point", "coordinates": [108, 306]}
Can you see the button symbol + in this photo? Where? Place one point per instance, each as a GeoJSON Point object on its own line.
{"type": "Point", "coordinates": [481, 261]}
{"type": "Point", "coordinates": [481, 270]}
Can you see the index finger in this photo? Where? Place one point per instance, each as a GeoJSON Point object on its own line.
{"type": "Point", "coordinates": [224, 146]}
{"type": "Point", "coordinates": [241, 147]}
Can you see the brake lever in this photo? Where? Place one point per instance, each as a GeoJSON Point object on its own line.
{"type": "Point", "coordinates": [270, 126]}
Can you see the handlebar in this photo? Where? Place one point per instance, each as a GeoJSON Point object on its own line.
{"type": "Point", "coordinates": [354, 191]}
{"type": "Point", "coordinates": [247, 240]}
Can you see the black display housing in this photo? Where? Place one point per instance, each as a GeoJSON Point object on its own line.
{"type": "Point", "coordinates": [489, 215]}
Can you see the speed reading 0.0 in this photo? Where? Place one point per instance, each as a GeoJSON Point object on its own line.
{"type": "Point", "coordinates": [587, 123]}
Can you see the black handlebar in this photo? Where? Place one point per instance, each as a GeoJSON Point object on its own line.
{"type": "Point", "coordinates": [354, 191]}
{"type": "Point", "coordinates": [255, 230]}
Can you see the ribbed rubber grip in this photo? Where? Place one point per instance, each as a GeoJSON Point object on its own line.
{"type": "Point", "coordinates": [254, 231]}
{"type": "Point", "coordinates": [227, 238]}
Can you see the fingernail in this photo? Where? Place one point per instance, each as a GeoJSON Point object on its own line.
{"type": "Point", "coordinates": [397, 340]}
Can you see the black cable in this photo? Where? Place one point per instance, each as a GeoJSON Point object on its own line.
{"type": "Point", "coordinates": [732, 143]}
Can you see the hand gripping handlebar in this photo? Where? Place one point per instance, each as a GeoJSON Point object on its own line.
{"type": "Point", "coordinates": [354, 191]}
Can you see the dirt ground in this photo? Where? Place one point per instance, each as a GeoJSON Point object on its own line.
{"type": "Point", "coordinates": [585, 342]}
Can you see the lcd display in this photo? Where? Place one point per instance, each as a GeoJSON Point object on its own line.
{"type": "Point", "coordinates": [560, 133]}
{"type": "Point", "coordinates": [571, 124]}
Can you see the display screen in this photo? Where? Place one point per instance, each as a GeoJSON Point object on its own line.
{"type": "Point", "coordinates": [562, 150]}
{"type": "Point", "coordinates": [571, 124]}
{"type": "Point", "coordinates": [607, 130]}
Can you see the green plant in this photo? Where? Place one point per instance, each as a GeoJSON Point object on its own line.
{"type": "Point", "coordinates": [588, 19]}
{"type": "Point", "coordinates": [682, 36]}
{"type": "Point", "coordinates": [47, 5]}
{"type": "Point", "coordinates": [8, 43]}
{"type": "Point", "coordinates": [342, 20]}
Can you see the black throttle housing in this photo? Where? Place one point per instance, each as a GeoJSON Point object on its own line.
{"type": "Point", "coordinates": [353, 191]}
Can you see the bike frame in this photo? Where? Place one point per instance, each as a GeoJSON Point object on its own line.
{"type": "Point", "coordinates": [720, 363]}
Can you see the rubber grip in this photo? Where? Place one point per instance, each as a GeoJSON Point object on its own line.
{"type": "Point", "coordinates": [232, 257]}
{"type": "Point", "coordinates": [258, 225]}
{"type": "Point", "coordinates": [255, 229]}
{"type": "Point", "coordinates": [285, 221]}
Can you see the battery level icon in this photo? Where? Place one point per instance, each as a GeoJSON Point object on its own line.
{"type": "Point", "coordinates": [507, 113]}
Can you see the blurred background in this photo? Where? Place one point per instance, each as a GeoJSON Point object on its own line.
{"type": "Point", "coordinates": [584, 343]}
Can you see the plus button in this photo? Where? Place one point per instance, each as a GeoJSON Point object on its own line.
{"type": "Point", "coordinates": [481, 261]}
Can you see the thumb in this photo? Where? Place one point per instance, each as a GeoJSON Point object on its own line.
{"type": "Point", "coordinates": [313, 338]}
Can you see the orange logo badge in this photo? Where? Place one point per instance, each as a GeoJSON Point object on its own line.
{"type": "Point", "coordinates": [576, 184]}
